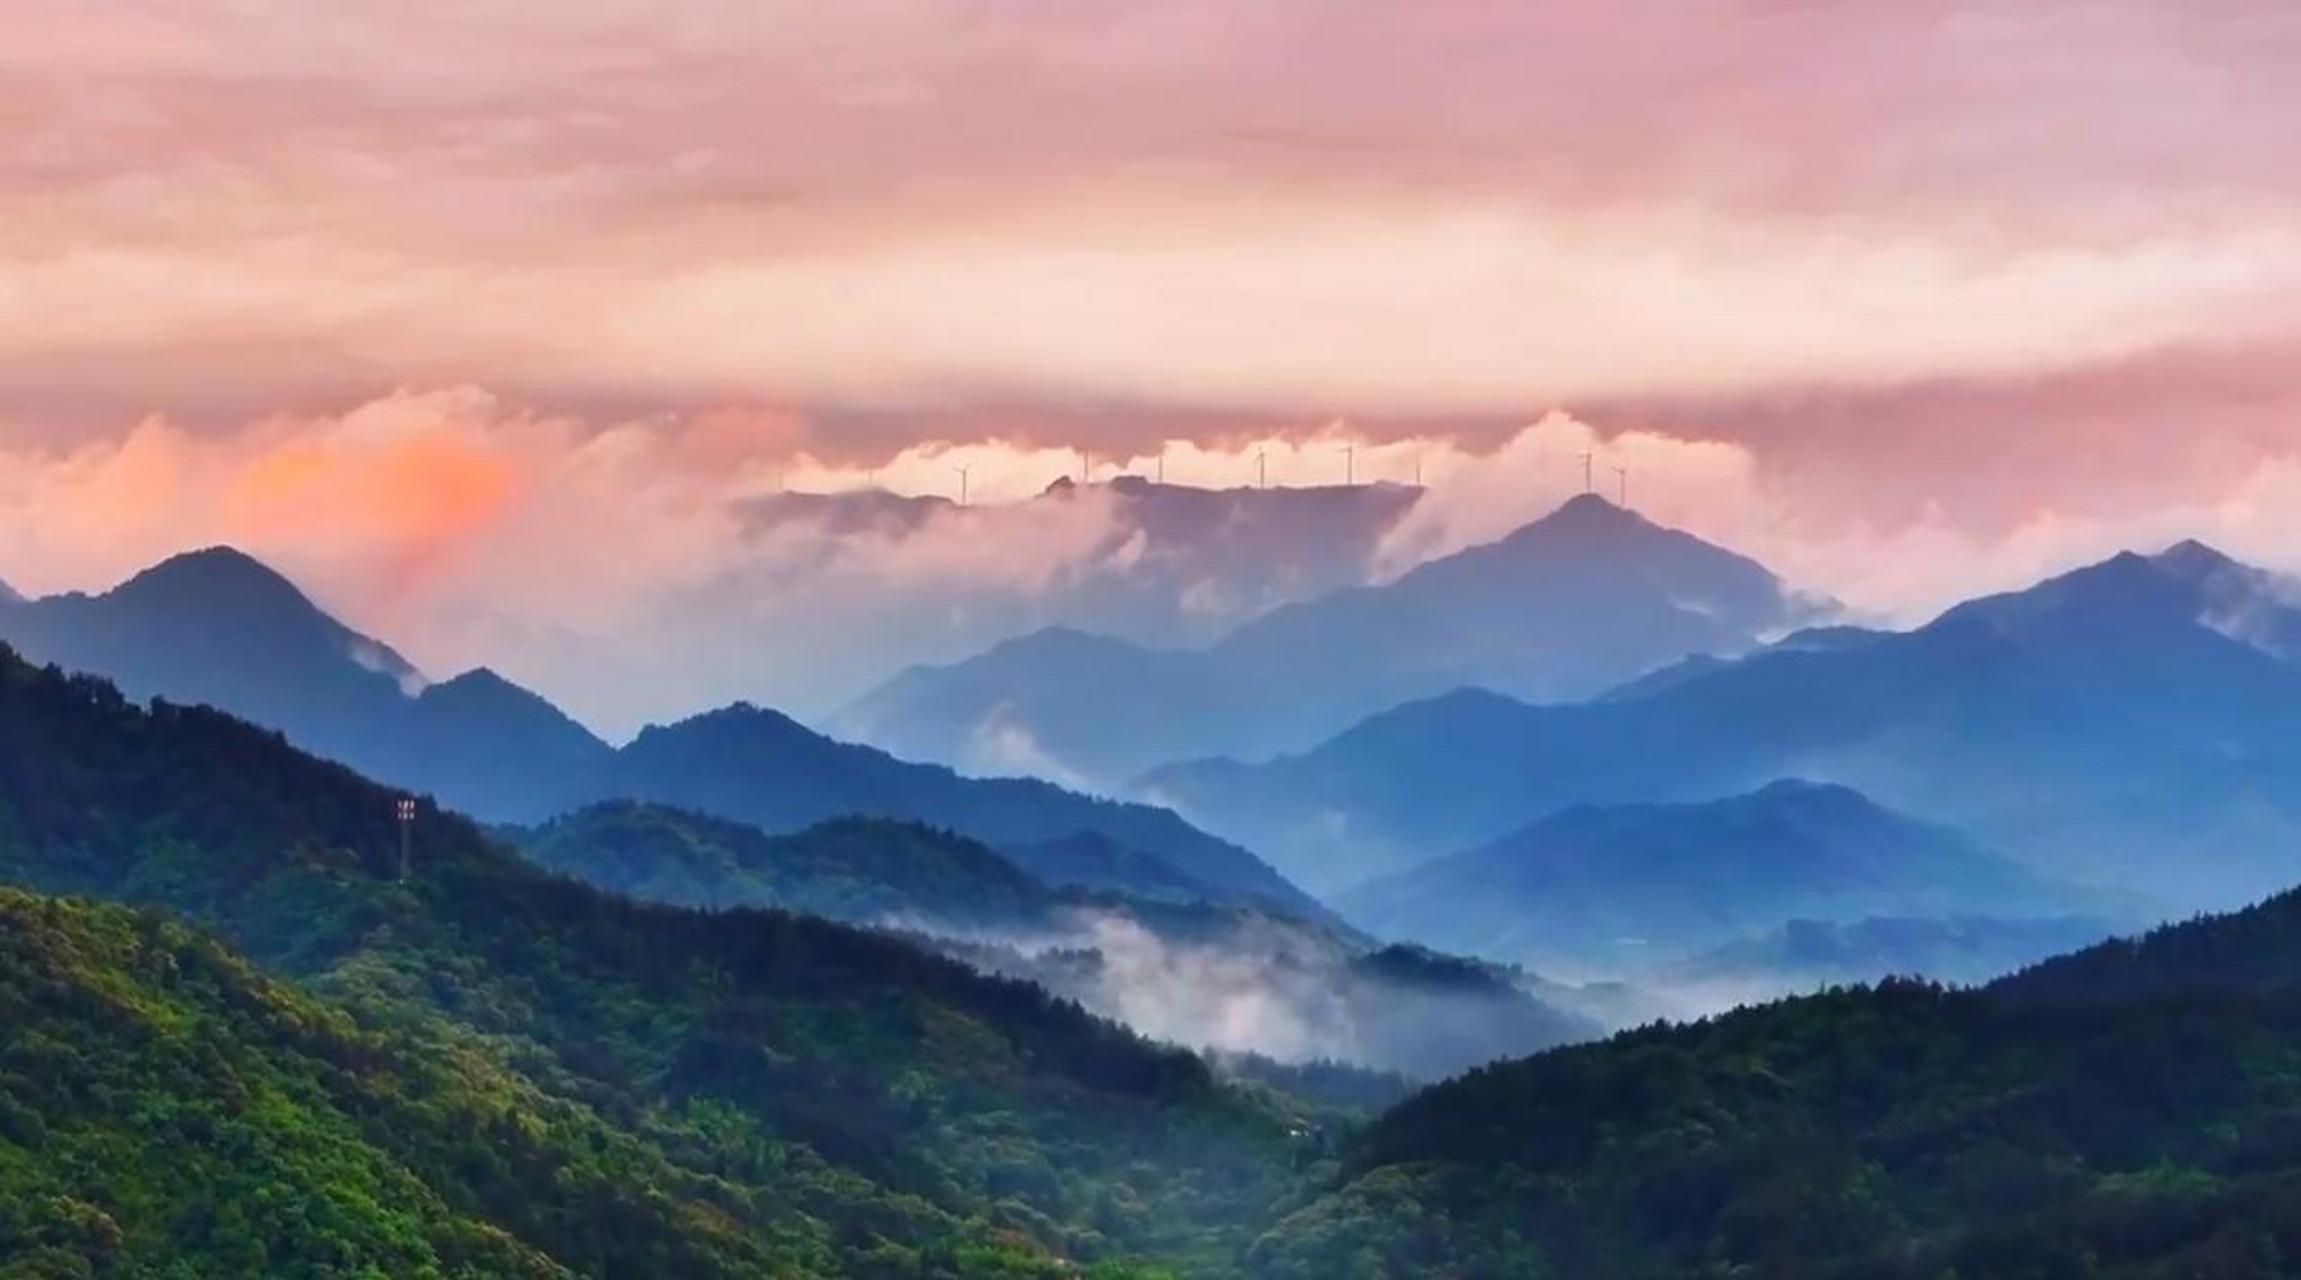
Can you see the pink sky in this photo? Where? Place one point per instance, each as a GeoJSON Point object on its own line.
{"type": "Point", "coordinates": [1976, 287]}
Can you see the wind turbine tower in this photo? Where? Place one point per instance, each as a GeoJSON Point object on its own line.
{"type": "Point", "coordinates": [1622, 482]}
{"type": "Point", "coordinates": [962, 474]}
{"type": "Point", "coordinates": [1586, 485]}
{"type": "Point", "coordinates": [1262, 468]}
{"type": "Point", "coordinates": [1349, 465]}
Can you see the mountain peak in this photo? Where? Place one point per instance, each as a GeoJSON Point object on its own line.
{"type": "Point", "coordinates": [218, 571]}
{"type": "Point", "coordinates": [1593, 509]}
{"type": "Point", "coordinates": [741, 717]}
{"type": "Point", "coordinates": [477, 678]}
{"type": "Point", "coordinates": [2190, 558]}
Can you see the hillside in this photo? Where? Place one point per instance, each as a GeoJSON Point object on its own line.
{"type": "Point", "coordinates": [1224, 978]}
{"type": "Point", "coordinates": [789, 1061]}
{"type": "Point", "coordinates": [2130, 1105]}
{"type": "Point", "coordinates": [2127, 725]}
{"type": "Point", "coordinates": [854, 869]}
{"type": "Point", "coordinates": [1562, 608]}
{"type": "Point", "coordinates": [166, 1109]}
{"type": "Point", "coordinates": [1611, 891]}
{"type": "Point", "coordinates": [758, 766]}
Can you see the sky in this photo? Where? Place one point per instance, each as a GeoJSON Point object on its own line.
{"type": "Point", "coordinates": [486, 319]}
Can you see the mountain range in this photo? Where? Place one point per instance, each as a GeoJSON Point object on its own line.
{"type": "Point", "coordinates": [1618, 891]}
{"type": "Point", "coordinates": [218, 627]}
{"type": "Point", "coordinates": [1563, 608]}
{"type": "Point", "coordinates": [2135, 725]}
{"type": "Point", "coordinates": [852, 587]}
{"type": "Point", "coordinates": [310, 1064]}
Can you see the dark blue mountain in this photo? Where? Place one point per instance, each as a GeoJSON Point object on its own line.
{"type": "Point", "coordinates": [1613, 891]}
{"type": "Point", "coordinates": [759, 766]}
{"type": "Point", "coordinates": [1565, 607]}
{"type": "Point", "coordinates": [219, 627]}
{"type": "Point", "coordinates": [2133, 724]}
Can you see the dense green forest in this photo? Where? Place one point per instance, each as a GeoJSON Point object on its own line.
{"type": "Point", "coordinates": [820, 1100]}
{"type": "Point", "coordinates": [1902, 1131]}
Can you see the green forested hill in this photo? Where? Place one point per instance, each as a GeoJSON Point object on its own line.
{"type": "Point", "coordinates": [860, 869]}
{"type": "Point", "coordinates": [167, 1110]}
{"type": "Point", "coordinates": [829, 1101]}
{"type": "Point", "coordinates": [1903, 1131]}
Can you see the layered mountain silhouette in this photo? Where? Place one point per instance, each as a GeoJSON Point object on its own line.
{"type": "Point", "coordinates": [1156, 563]}
{"type": "Point", "coordinates": [1563, 608]}
{"type": "Point", "coordinates": [2133, 724]}
{"type": "Point", "coordinates": [219, 627]}
{"type": "Point", "coordinates": [1183, 969]}
{"type": "Point", "coordinates": [1616, 891]}
{"type": "Point", "coordinates": [764, 768]}
{"type": "Point", "coordinates": [1807, 955]}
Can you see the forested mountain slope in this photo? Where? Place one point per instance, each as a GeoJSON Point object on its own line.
{"type": "Point", "coordinates": [2130, 1111]}
{"type": "Point", "coordinates": [922, 1119]}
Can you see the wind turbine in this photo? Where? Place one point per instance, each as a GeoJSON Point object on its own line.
{"type": "Point", "coordinates": [1586, 485]}
{"type": "Point", "coordinates": [1262, 468]}
{"type": "Point", "coordinates": [1622, 479]}
{"type": "Point", "coordinates": [962, 473]}
{"type": "Point", "coordinates": [1349, 465]}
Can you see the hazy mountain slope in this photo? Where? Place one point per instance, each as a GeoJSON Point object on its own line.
{"type": "Point", "coordinates": [1565, 607]}
{"type": "Point", "coordinates": [1806, 955]}
{"type": "Point", "coordinates": [763, 768]}
{"type": "Point", "coordinates": [1612, 891]}
{"type": "Point", "coordinates": [1198, 974]}
{"type": "Point", "coordinates": [2130, 1106]}
{"type": "Point", "coordinates": [1092, 861]}
{"type": "Point", "coordinates": [897, 1100]}
{"type": "Point", "coordinates": [219, 627]}
{"type": "Point", "coordinates": [2107, 725]}
{"type": "Point", "coordinates": [1154, 564]}
{"type": "Point", "coordinates": [1060, 700]}
{"type": "Point", "coordinates": [1238, 983]}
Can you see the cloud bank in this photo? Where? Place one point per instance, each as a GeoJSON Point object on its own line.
{"type": "Point", "coordinates": [644, 569]}
{"type": "Point", "coordinates": [1309, 208]}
